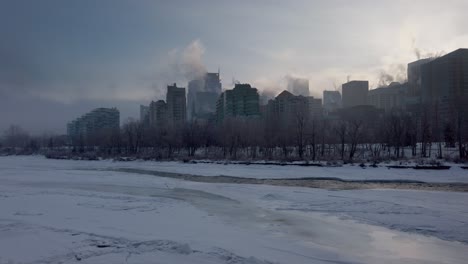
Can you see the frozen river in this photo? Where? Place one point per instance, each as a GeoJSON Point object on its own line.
{"type": "Point", "coordinates": [81, 211]}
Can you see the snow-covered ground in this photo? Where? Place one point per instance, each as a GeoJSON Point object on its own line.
{"type": "Point", "coordinates": [347, 172]}
{"type": "Point", "coordinates": [54, 211]}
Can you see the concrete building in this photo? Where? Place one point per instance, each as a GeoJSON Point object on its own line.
{"type": "Point", "coordinates": [444, 87]}
{"type": "Point", "coordinates": [355, 93]}
{"type": "Point", "coordinates": [298, 86]}
{"type": "Point", "coordinates": [97, 121]}
{"type": "Point", "coordinates": [242, 101]}
{"type": "Point", "coordinates": [331, 101]}
{"type": "Point", "coordinates": [176, 104]}
{"type": "Point", "coordinates": [157, 116]}
{"type": "Point", "coordinates": [389, 97]}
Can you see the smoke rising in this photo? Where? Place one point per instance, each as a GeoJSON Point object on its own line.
{"type": "Point", "coordinates": [181, 66]}
{"type": "Point", "coordinates": [393, 73]}
{"type": "Point", "coordinates": [190, 63]}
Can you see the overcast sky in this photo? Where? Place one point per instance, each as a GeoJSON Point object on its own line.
{"type": "Point", "coordinates": [59, 59]}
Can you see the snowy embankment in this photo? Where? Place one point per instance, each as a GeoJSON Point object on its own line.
{"type": "Point", "coordinates": [79, 211]}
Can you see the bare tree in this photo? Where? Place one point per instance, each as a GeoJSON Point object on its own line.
{"type": "Point", "coordinates": [16, 137]}
{"type": "Point", "coordinates": [301, 119]}
{"type": "Point", "coordinates": [341, 129]}
{"type": "Point", "coordinates": [191, 137]}
{"type": "Point", "coordinates": [425, 130]}
{"type": "Point", "coordinates": [354, 134]}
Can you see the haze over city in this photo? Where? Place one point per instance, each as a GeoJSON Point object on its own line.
{"type": "Point", "coordinates": [234, 132]}
{"type": "Point", "coordinates": [59, 59]}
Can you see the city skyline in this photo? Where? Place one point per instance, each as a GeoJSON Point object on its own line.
{"type": "Point", "coordinates": [58, 64]}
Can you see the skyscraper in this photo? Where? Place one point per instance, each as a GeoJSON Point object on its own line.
{"type": "Point", "coordinates": [194, 86]}
{"type": "Point", "coordinates": [202, 95]}
{"type": "Point", "coordinates": [176, 104]}
{"type": "Point", "coordinates": [355, 93]}
{"type": "Point", "coordinates": [212, 82]}
{"type": "Point", "coordinates": [444, 87]}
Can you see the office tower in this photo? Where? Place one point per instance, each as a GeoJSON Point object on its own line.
{"type": "Point", "coordinates": [355, 93]}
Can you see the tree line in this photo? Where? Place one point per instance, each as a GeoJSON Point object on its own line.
{"type": "Point", "coordinates": [394, 135]}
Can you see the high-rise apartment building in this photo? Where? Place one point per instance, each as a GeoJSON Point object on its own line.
{"type": "Point", "coordinates": [97, 121]}
{"type": "Point", "coordinates": [176, 104]}
{"type": "Point", "coordinates": [242, 101]}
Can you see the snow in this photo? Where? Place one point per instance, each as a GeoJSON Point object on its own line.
{"type": "Point", "coordinates": [346, 172]}
{"type": "Point", "coordinates": [55, 211]}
